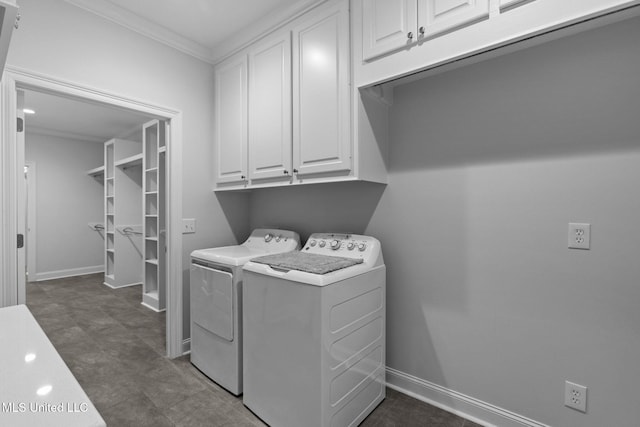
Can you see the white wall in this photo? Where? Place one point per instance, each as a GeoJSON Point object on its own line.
{"type": "Point", "coordinates": [488, 165]}
{"type": "Point", "coordinates": [67, 199]}
{"type": "Point", "coordinates": [67, 43]}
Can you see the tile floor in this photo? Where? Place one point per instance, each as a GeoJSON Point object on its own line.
{"type": "Point", "coordinates": [115, 348]}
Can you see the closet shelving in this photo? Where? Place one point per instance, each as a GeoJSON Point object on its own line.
{"type": "Point", "coordinates": [153, 143]}
{"type": "Point", "coordinates": [123, 194]}
{"type": "Point", "coordinates": [131, 161]}
{"type": "Point", "coordinates": [108, 170]}
{"type": "Point", "coordinates": [97, 173]}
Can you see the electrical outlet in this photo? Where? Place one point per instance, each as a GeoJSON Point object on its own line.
{"type": "Point", "coordinates": [575, 396]}
{"type": "Point", "coordinates": [579, 235]}
{"type": "Point", "coordinates": [188, 225]}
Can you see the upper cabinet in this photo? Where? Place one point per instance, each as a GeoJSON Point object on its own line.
{"type": "Point", "coordinates": [389, 25]}
{"type": "Point", "coordinates": [8, 21]}
{"type": "Point", "coordinates": [286, 110]}
{"type": "Point", "coordinates": [321, 97]}
{"type": "Point", "coordinates": [440, 16]}
{"type": "Point", "coordinates": [394, 24]}
{"type": "Point", "coordinates": [394, 39]}
{"type": "Point", "coordinates": [270, 108]}
{"type": "Point", "coordinates": [231, 120]}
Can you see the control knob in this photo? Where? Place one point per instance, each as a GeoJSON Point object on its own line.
{"type": "Point", "coordinates": [351, 246]}
{"type": "Point", "coordinates": [362, 247]}
{"type": "Point", "coordinates": [335, 245]}
{"type": "Point", "coordinates": [312, 243]}
{"type": "Point", "coordinates": [278, 238]}
{"type": "Point", "coordinates": [322, 243]}
{"type": "Point", "coordinates": [268, 237]}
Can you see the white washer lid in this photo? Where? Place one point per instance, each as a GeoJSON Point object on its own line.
{"type": "Point", "coordinates": [228, 255]}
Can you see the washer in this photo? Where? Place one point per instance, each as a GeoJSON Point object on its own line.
{"type": "Point", "coordinates": [216, 303]}
{"type": "Point", "coordinates": [315, 339]}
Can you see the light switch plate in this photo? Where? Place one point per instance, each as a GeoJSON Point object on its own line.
{"type": "Point", "coordinates": [579, 235]}
{"type": "Point", "coordinates": [188, 225]}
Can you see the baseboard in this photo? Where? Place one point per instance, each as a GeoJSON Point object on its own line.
{"type": "Point", "coordinates": [127, 285]}
{"type": "Point", "coordinates": [475, 410]}
{"type": "Point", "coordinates": [60, 274]}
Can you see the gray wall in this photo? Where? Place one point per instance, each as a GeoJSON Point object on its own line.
{"type": "Point", "coordinates": [488, 165]}
{"type": "Point", "coordinates": [67, 199]}
{"type": "Point", "coordinates": [67, 43]}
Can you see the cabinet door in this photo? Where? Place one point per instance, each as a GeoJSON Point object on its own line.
{"type": "Point", "coordinates": [504, 4]}
{"type": "Point", "coordinates": [321, 102]}
{"type": "Point", "coordinates": [231, 120]}
{"type": "Point", "coordinates": [440, 16]}
{"type": "Point", "coordinates": [270, 108]}
{"type": "Point", "coordinates": [387, 25]}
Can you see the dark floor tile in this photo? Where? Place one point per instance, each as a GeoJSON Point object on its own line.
{"type": "Point", "coordinates": [175, 386]}
{"type": "Point", "coordinates": [200, 409]}
{"type": "Point", "coordinates": [138, 412]}
{"type": "Point", "coordinates": [53, 322]}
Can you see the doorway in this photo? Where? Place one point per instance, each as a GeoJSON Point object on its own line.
{"type": "Point", "coordinates": [12, 82]}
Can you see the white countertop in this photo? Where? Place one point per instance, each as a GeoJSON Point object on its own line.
{"type": "Point", "coordinates": [36, 387]}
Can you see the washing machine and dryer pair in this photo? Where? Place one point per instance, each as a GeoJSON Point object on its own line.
{"type": "Point", "coordinates": [300, 333]}
{"type": "Point", "coordinates": [216, 303]}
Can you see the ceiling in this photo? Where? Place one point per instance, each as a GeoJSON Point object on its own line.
{"type": "Point", "coordinates": [77, 119]}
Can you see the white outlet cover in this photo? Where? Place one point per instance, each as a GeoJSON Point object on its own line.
{"type": "Point", "coordinates": [575, 396]}
{"type": "Point", "coordinates": [579, 236]}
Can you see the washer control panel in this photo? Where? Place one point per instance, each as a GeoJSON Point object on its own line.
{"type": "Point", "coordinates": [271, 239]}
{"type": "Point", "coordinates": [343, 245]}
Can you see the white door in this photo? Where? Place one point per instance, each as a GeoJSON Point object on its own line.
{"type": "Point", "coordinates": [231, 120]}
{"type": "Point", "coordinates": [440, 16]}
{"type": "Point", "coordinates": [212, 300]}
{"type": "Point", "coordinates": [321, 101]}
{"type": "Point", "coordinates": [270, 108]}
{"type": "Point", "coordinates": [388, 25]}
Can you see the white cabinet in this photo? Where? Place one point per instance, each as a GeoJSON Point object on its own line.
{"type": "Point", "coordinates": [231, 120]}
{"type": "Point", "coordinates": [270, 108]}
{"type": "Point", "coordinates": [321, 96]}
{"type": "Point", "coordinates": [389, 25]}
{"type": "Point", "coordinates": [303, 113]}
{"type": "Point", "coordinates": [441, 16]}
{"type": "Point", "coordinates": [504, 4]}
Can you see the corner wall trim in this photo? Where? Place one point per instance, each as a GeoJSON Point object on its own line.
{"type": "Point", "coordinates": [468, 407]}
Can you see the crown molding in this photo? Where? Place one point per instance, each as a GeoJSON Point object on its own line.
{"type": "Point", "coordinates": [144, 27]}
{"type": "Point", "coordinates": [261, 28]}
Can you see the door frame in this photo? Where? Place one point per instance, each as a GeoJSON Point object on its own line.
{"type": "Point", "coordinates": [16, 78]}
{"type": "Point", "coordinates": [31, 224]}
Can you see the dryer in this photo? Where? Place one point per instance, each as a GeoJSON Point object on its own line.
{"type": "Point", "coordinates": [216, 303]}
{"type": "Point", "coordinates": [314, 332]}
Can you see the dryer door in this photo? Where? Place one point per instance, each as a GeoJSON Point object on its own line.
{"type": "Point", "coordinates": [212, 300]}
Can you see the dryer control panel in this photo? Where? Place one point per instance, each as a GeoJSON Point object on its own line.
{"type": "Point", "coordinates": [344, 245]}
